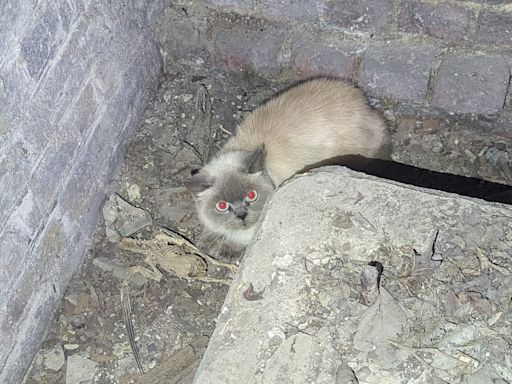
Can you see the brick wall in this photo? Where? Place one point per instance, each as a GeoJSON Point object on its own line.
{"type": "Point", "coordinates": [448, 55]}
{"type": "Point", "coordinates": [74, 79]}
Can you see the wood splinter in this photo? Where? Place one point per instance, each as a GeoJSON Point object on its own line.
{"type": "Point", "coordinates": [370, 282]}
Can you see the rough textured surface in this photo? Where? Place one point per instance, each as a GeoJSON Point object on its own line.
{"type": "Point", "coordinates": [442, 20]}
{"type": "Point", "coordinates": [394, 49]}
{"type": "Point", "coordinates": [313, 59]}
{"type": "Point", "coordinates": [472, 82]}
{"type": "Point", "coordinates": [169, 314]}
{"type": "Point", "coordinates": [354, 15]}
{"type": "Point", "coordinates": [281, 40]}
{"type": "Point", "coordinates": [74, 80]}
{"type": "Point", "coordinates": [248, 43]}
{"type": "Point", "coordinates": [394, 72]}
{"type": "Point", "coordinates": [292, 314]}
{"type": "Point", "coordinates": [494, 28]}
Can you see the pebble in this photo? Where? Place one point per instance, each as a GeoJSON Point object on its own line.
{"type": "Point", "coordinates": [71, 347]}
{"type": "Point", "coordinates": [118, 271]}
{"type": "Point", "coordinates": [470, 154]}
{"type": "Point", "coordinates": [168, 95]}
{"type": "Point", "coordinates": [122, 218]}
{"type": "Point", "coordinates": [133, 191]}
{"type": "Point", "coordinates": [80, 370]}
{"type": "Point", "coordinates": [186, 97]}
{"type": "Point", "coordinates": [54, 359]}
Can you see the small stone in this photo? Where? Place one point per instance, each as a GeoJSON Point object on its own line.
{"type": "Point", "coordinates": [79, 370]}
{"type": "Point", "coordinates": [168, 95]}
{"type": "Point", "coordinates": [133, 191]}
{"type": "Point", "coordinates": [77, 321]}
{"type": "Point", "coordinates": [500, 160]}
{"type": "Point", "coordinates": [152, 349]}
{"type": "Point", "coordinates": [345, 375]}
{"type": "Point", "coordinates": [121, 273]}
{"type": "Point", "coordinates": [315, 59]}
{"type": "Point", "coordinates": [494, 318]}
{"type": "Point", "coordinates": [122, 218]}
{"type": "Point", "coordinates": [470, 155]}
{"type": "Point", "coordinates": [71, 347]}
{"type": "Point", "coordinates": [72, 298]}
{"type": "Point", "coordinates": [364, 373]}
{"type": "Point", "coordinates": [370, 278]}
{"type": "Point", "coordinates": [104, 264]}
{"type": "Point", "coordinates": [54, 359]}
{"type": "Point", "coordinates": [118, 271]}
{"type": "Point", "coordinates": [438, 20]}
{"type": "Point", "coordinates": [186, 97]}
{"type": "Point", "coordinates": [462, 335]}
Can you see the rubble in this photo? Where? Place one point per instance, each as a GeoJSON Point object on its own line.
{"type": "Point", "coordinates": [428, 322]}
{"type": "Point", "coordinates": [169, 315]}
{"type": "Point", "coordinates": [122, 218]}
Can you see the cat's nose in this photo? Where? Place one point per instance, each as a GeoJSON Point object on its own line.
{"type": "Point", "coordinates": [241, 212]}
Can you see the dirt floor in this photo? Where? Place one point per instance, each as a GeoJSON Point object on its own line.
{"type": "Point", "coordinates": [190, 116]}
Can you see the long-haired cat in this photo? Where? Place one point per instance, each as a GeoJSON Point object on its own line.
{"type": "Point", "coordinates": [311, 122]}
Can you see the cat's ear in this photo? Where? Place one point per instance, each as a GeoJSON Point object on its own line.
{"type": "Point", "coordinates": [255, 161]}
{"type": "Point", "coordinates": [198, 182]}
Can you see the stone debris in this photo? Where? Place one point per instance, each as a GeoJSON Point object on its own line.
{"type": "Point", "coordinates": [54, 359]}
{"type": "Point", "coordinates": [71, 347]}
{"type": "Point", "coordinates": [500, 160]}
{"type": "Point", "coordinates": [370, 283]}
{"type": "Point", "coordinates": [169, 314]}
{"type": "Point", "coordinates": [430, 320]}
{"type": "Point", "coordinates": [80, 370]}
{"type": "Point", "coordinates": [123, 219]}
{"type": "Point", "coordinates": [119, 271]}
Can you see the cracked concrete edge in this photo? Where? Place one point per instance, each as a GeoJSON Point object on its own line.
{"type": "Point", "coordinates": [260, 267]}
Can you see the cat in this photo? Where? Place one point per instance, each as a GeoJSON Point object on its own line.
{"type": "Point", "coordinates": [311, 122]}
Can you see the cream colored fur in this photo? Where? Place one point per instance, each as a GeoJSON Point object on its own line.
{"type": "Point", "coordinates": [311, 122]}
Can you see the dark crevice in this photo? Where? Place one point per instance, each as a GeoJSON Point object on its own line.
{"type": "Point", "coordinates": [425, 178]}
{"type": "Point", "coordinates": [507, 93]}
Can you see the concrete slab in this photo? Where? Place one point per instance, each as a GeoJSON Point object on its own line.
{"type": "Point", "coordinates": [294, 313]}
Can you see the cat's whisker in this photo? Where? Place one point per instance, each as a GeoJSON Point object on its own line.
{"type": "Point", "coordinates": [214, 240]}
{"type": "Point", "coordinates": [223, 241]}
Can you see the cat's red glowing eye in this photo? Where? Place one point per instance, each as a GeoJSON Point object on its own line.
{"type": "Point", "coordinates": [222, 206]}
{"type": "Point", "coordinates": [251, 196]}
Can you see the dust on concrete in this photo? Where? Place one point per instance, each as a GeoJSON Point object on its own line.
{"type": "Point", "coordinates": [87, 341]}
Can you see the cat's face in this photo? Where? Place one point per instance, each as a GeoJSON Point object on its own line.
{"type": "Point", "coordinates": [234, 201]}
{"type": "Point", "coordinates": [230, 195]}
